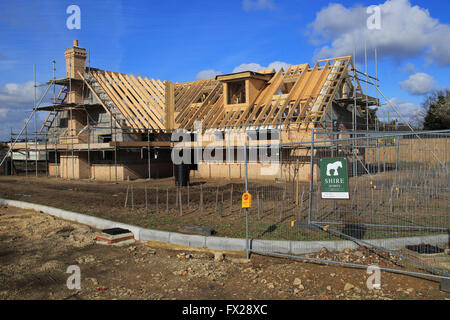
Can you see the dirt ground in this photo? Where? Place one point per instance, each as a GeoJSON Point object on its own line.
{"type": "Point", "coordinates": [153, 204]}
{"type": "Point", "coordinates": [36, 250]}
{"type": "Point", "coordinates": [107, 200]}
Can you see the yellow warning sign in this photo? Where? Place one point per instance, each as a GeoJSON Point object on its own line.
{"type": "Point", "coordinates": [246, 200]}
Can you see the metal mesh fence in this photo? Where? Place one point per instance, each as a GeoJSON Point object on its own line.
{"type": "Point", "coordinates": [397, 182]}
{"type": "Point", "coordinates": [398, 200]}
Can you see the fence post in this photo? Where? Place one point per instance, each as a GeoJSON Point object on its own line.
{"type": "Point", "coordinates": [396, 159]}
{"type": "Point", "coordinates": [217, 197]}
{"type": "Point", "coordinates": [145, 192]}
{"type": "Point", "coordinates": [180, 203]}
{"type": "Point", "coordinates": [246, 190]}
{"type": "Point", "coordinates": [188, 195]}
{"type": "Point", "coordinates": [201, 200]}
{"type": "Point", "coordinates": [126, 197]}
{"type": "Point", "coordinates": [311, 178]}
{"type": "Point", "coordinates": [157, 200]}
{"type": "Point", "coordinates": [231, 199]}
{"type": "Point", "coordinates": [167, 201]}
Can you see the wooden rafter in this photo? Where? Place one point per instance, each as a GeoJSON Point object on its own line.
{"type": "Point", "coordinates": [299, 95]}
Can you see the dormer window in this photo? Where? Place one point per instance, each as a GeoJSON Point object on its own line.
{"type": "Point", "coordinates": [242, 88]}
{"type": "Point", "coordinates": [236, 92]}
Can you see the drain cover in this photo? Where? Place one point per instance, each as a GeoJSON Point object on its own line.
{"type": "Point", "coordinates": [425, 249]}
{"type": "Point", "coordinates": [115, 231]}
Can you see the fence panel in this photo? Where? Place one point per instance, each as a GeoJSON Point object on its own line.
{"type": "Point", "coordinates": [398, 203]}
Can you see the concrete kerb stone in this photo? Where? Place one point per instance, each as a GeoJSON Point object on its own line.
{"type": "Point", "coordinates": [188, 240]}
{"type": "Point", "coordinates": [154, 235]}
{"type": "Point", "coordinates": [229, 244]}
{"type": "Point", "coordinates": [221, 243]}
{"type": "Point", "coordinates": [399, 243]}
{"type": "Point", "coordinates": [274, 246]}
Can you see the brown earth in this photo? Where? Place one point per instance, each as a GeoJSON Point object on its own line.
{"type": "Point", "coordinates": [36, 250]}
{"type": "Point", "coordinates": [107, 200]}
{"type": "Point", "coordinates": [153, 204]}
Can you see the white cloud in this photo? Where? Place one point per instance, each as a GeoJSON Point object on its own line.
{"type": "Point", "coordinates": [277, 65]}
{"type": "Point", "coordinates": [207, 74]}
{"type": "Point", "coordinates": [16, 101]}
{"type": "Point", "coordinates": [419, 84]}
{"type": "Point", "coordinates": [17, 93]}
{"type": "Point", "coordinates": [248, 67]}
{"type": "Point", "coordinates": [406, 109]}
{"type": "Point", "coordinates": [406, 31]}
{"type": "Point", "coordinates": [211, 73]}
{"type": "Point", "coordinates": [250, 5]}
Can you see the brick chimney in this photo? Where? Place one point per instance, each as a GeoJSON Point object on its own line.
{"type": "Point", "coordinates": [75, 62]}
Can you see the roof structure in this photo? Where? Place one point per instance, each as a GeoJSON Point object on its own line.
{"type": "Point", "coordinates": [300, 95]}
{"type": "Point", "coordinates": [134, 102]}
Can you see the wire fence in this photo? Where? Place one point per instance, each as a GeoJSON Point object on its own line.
{"type": "Point", "coordinates": [398, 197]}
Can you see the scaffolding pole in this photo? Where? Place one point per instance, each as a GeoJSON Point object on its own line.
{"type": "Point", "coordinates": [35, 124]}
{"type": "Point", "coordinates": [115, 151]}
{"type": "Point", "coordinates": [71, 117]}
{"type": "Point", "coordinates": [26, 151]}
{"type": "Point", "coordinates": [149, 161]}
{"type": "Point", "coordinates": [11, 155]}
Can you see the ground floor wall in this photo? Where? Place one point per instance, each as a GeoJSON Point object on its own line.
{"type": "Point", "coordinates": [99, 166]}
{"type": "Point", "coordinates": [74, 167]}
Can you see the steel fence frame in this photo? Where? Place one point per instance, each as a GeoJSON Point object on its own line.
{"type": "Point", "coordinates": [428, 155]}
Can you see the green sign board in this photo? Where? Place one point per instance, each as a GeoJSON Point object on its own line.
{"type": "Point", "coordinates": [334, 178]}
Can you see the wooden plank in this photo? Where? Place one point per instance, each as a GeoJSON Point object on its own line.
{"type": "Point", "coordinates": [265, 95]}
{"type": "Point", "coordinates": [170, 105]}
{"type": "Point", "coordinates": [151, 119]}
{"type": "Point", "coordinates": [215, 113]}
{"type": "Point", "coordinates": [184, 104]}
{"type": "Point", "coordinates": [206, 107]}
{"type": "Point", "coordinates": [155, 108]}
{"type": "Point", "coordinates": [112, 93]}
{"type": "Point", "coordinates": [107, 84]}
{"type": "Point", "coordinates": [267, 101]}
{"type": "Point", "coordinates": [98, 98]}
{"type": "Point", "coordinates": [129, 99]}
{"type": "Point", "coordinates": [293, 94]}
{"type": "Point", "coordinates": [339, 81]}
{"type": "Point", "coordinates": [193, 113]}
{"type": "Point", "coordinates": [280, 103]}
{"type": "Point", "coordinates": [140, 107]}
{"type": "Point", "coordinates": [304, 78]}
{"type": "Point", "coordinates": [153, 92]}
{"type": "Point", "coordinates": [319, 82]}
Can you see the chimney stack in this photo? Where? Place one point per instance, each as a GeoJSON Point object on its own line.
{"type": "Point", "coordinates": [75, 62]}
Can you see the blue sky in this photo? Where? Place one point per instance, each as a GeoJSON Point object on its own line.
{"type": "Point", "coordinates": [187, 40]}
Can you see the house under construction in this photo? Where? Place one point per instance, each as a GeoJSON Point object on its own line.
{"type": "Point", "coordinates": [112, 126]}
